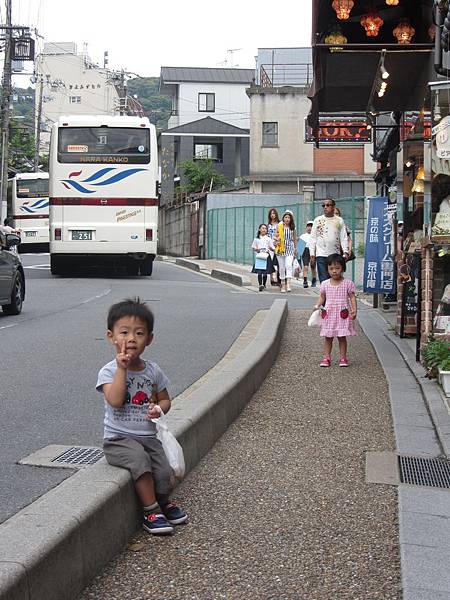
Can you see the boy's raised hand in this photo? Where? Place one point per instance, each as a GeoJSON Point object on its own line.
{"type": "Point", "coordinates": [122, 358]}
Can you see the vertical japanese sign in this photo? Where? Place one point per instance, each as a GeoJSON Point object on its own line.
{"type": "Point", "coordinates": [379, 272]}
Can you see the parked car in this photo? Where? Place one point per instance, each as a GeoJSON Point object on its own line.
{"type": "Point", "coordinates": [12, 277]}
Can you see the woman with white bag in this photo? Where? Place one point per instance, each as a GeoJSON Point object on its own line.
{"type": "Point", "coordinates": [286, 249]}
{"type": "Point", "coordinates": [262, 265]}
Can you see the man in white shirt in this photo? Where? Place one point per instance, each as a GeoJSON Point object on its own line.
{"type": "Point", "coordinates": [328, 236]}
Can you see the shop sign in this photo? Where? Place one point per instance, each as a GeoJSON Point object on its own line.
{"type": "Point", "coordinates": [442, 134]}
{"type": "Point", "coordinates": [441, 225]}
{"type": "Point", "coordinates": [340, 130]}
{"type": "Point", "coordinates": [379, 271]}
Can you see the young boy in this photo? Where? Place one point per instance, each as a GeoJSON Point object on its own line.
{"type": "Point", "coordinates": [135, 392]}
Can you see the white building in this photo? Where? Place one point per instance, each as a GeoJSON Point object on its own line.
{"type": "Point", "coordinates": [199, 92]}
{"type": "Point", "coordinates": [71, 83]}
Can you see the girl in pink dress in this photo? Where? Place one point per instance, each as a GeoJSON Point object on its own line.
{"type": "Point", "coordinates": [337, 301]}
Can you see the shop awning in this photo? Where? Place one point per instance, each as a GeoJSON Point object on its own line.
{"type": "Point", "coordinates": [344, 75]}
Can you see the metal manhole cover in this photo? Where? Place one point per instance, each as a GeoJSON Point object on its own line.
{"type": "Point", "coordinates": [431, 472]}
{"type": "Point", "coordinates": [79, 456]}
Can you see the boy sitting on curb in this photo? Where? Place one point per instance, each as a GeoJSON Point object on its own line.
{"type": "Point", "coordinates": [135, 391]}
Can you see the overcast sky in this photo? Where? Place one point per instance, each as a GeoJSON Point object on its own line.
{"type": "Point", "coordinates": [143, 35]}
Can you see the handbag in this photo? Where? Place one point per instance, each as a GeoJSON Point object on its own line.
{"type": "Point", "coordinates": [171, 446]}
{"type": "Point", "coordinates": [315, 320]}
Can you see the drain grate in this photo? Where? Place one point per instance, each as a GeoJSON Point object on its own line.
{"type": "Point", "coordinates": [79, 456]}
{"type": "Point", "coordinates": [432, 472]}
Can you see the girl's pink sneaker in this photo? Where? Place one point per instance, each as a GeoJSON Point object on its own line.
{"type": "Point", "coordinates": [326, 361]}
{"type": "Point", "coordinates": [343, 362]}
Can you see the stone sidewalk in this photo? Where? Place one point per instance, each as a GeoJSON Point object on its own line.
{"type": "Point", "coordinates": [280, 508]}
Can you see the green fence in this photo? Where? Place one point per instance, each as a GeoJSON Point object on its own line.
{"type": "Point", "coordinates": [231, 230]}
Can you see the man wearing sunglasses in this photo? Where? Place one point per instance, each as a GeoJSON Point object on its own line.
{"type": "Point", "coordinates": [328, 236]}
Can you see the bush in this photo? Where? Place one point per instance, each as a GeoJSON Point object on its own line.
{"type": "Point", "coordinates": [445, 364]}
{"type": "Point", "coordinates": [435, 353]}
{"type": "Point", "coordinates": [360, 249]}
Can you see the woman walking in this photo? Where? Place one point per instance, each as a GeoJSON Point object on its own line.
{"type": "Point", "coordinates": [272, 225]}
{"type": "Point", "coordinates": [286, 249]}
{"type": "Point", "coordinates": [262, 244]}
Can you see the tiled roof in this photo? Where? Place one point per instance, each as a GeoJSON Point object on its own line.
{"type": "Point", "coordinates": [206, 75]}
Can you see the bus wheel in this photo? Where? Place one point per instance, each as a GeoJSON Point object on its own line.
{"type": "Point", "coordinates": [132, 267]}
{"type": "Point", "coordinates": [147, 265]}
{"type": "Point", "coordinates": [56, 267]}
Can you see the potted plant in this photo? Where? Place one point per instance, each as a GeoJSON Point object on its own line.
{"type": "Point", "coordinates": [435, 352]}
{"type": "Point", "coordinates": [444, 375]}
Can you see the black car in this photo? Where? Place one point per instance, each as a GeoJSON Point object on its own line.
{"type": "Point", "coordinates": [12, 277]}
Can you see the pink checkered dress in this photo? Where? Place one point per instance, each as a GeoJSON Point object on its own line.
{"type": "Point", "coordinates": [337, 298]}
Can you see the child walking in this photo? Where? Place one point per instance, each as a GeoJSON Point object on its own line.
{"type": "Point", "coordinates": [338, 302]}
{"type": "Point", "coordinates": [263, 243]}
{"type": "Point", "coordinates": [135, 391]}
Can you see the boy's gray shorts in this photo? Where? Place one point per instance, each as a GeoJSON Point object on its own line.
{"type": "Point", "coordinates": [139, 456]}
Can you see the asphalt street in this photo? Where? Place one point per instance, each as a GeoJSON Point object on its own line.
{"type": "Point", "coordinates": [51, 353]}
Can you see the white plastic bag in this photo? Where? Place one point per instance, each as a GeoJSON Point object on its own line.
{"type": "Point", "coordinates": [171, 446]}
{"type": "Point", "coordinates": [315, 320]}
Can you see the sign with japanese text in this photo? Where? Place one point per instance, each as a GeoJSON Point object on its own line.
{"type": "Point", "coordinates": [340, 130]}
{"type": "Point", "coordinates": [379, 271]}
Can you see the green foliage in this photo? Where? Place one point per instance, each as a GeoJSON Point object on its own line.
{"type": "Point", "coordinates": [360, 249]}
{"type": "Point", "coordinates": [21, 145]}
{"type": "Point", "coordinates": [156, 107]}
{"type": "Point", "coordinates": [445, 364]}
{"type": "Point", "coordinates": [199, 174]}
{"type": "Point", "coordinates": [435, 353]}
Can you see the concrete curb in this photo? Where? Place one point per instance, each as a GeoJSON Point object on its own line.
{"type": "Point", "coordinates": [234, 278]}
{"type": "Point", "coordinates": [188, 264]}
{"type": "Point", "coordinates": [51, 549]}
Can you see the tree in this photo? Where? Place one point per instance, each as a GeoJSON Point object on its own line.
{"type": "Point", "coordinates": [201, 174]}
{"type": "Point", "coordinates": [156, 107]}
{"type": "Point", "coordinates": [21, 147]}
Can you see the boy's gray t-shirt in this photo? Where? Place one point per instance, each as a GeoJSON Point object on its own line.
{"type": "Point", "coordinates": [130, 419]}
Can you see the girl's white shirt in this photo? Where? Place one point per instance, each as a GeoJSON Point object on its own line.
{"type": "Point", "coordinates": [263, 243]}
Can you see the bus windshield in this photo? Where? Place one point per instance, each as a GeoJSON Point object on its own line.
{"type": "Point", "coordinates": [32, 188]}
{"type": "Point", "coordinates": [103, 145]}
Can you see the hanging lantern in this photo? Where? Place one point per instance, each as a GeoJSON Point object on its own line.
{"type": "Point", "coordinates": [372, 23]}
{"type": "Point", "coordinates": [343, 8]}
{"type": "Point", "coordinates": [392, 2]}
{"type": "Point", "coordinates": [404, 32]}
{"type": "Point", "coordinates": [336, 37]}
{"type": "Point", "coordinates": [419, 185]}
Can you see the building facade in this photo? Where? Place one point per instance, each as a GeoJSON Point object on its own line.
{"type": "Point", "coordinates": [68, 83]}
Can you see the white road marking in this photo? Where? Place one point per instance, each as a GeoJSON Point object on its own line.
{"type": "Point", "coordinates": [104, 293]}
{"type": "Point", "coordinates": [8, 326]}
{"type": "Point", "coordinates": [42, 267]}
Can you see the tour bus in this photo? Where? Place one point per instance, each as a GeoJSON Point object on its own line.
{"type": "Point", "coordinates": [103, 193]}
{"type": "Point", "coordinates": [27, 208]}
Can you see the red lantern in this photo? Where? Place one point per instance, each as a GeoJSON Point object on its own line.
{"type": "Point", "coordinates": [392, 2]}
{"type": "Point", "coordinates": [343, 8]}
{"type": "Point", "coordinates": [404, 32]}
{"type": "Point", "coordinates": [371, 23]}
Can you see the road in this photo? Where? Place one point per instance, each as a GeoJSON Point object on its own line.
{"type": "Point", "coordinates": [51, 353]}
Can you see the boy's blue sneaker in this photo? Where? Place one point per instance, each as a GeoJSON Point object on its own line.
{"type": "Point", "coordinates": [157, 524]}
{"type": "Point", "coordinates": [174, 514]}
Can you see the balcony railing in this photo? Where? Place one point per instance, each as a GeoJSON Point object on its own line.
{"type": "Point", "coordinates": [277, 75]}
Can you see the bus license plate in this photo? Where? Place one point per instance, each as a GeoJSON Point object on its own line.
{"type": "Point", "coordinates": [30, 233]}
{"type": "Point", "coordinates": [78, 234]}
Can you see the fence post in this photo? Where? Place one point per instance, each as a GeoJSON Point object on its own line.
{"type": "Point", "coordinates": [353, 236]}
{"type": "Point", "coordinates": [226, 234]}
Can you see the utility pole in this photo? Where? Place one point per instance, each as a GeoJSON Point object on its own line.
{"type": "Point", "coordinates": [122, 95]}
{"type": "Point", "coordinates": [40, 81]}
{"type": "Point", "coordinates": [5, 112]}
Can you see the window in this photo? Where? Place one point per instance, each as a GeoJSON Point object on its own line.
{"type": "Point", "coordinates": [75, 99]}
{"type": "Point", "coordinates": [206, 102]}
{"type": "Point", "coordinates": [86, 144]}
{"type": "Point", "coordinates": [270, 134]}
{"type": "Point", "coordinates": [208, 151]}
